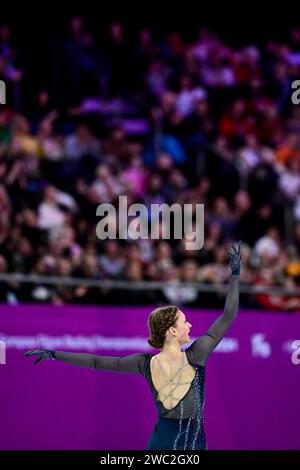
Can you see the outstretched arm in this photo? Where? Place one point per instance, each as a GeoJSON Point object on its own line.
{"type": "Point", "coordinates": [132, 364]}
{"type": "Point", "coordinates": [204, 345]}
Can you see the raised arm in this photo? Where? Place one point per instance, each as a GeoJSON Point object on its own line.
{"type": "Point", "coordinates": [204, 345]}
{"type": "Point", "coordinates": [132, 364]}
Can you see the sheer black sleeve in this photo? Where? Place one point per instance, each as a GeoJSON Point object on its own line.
{"type": "Point", "coordinates": [202, 347]}
{"type": "Point", "coordinates": [132, 364]}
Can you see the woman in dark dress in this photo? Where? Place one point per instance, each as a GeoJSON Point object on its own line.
{"type": "Point", "coordinates": [175, 377]}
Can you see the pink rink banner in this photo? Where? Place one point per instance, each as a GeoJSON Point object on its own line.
{"type": "Point", "coordinates": [252, 380]}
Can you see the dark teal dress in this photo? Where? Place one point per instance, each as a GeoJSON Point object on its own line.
{"type": "Point", "coordinates": [182, 427]}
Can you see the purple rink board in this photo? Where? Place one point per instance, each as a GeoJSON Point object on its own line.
{"type": "Point", "coordinates": [252, 383]}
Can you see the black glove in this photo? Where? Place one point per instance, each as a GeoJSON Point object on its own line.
{"type": "Point", "coordinates": [236, 258]}
{"type": "Point", "coordinates": [42, 353]}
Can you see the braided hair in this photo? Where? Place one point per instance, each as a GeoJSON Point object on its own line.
{"type": "Point", "coordinates": [159, 321]}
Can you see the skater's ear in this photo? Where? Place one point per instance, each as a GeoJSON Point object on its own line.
{"type": "Point", "coordinates": [172, 331]}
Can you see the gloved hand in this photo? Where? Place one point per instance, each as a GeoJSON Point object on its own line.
{"type": "Point", "coordinates": [42, 353]}
{"type": "Point", "coordinates": [236, 258]}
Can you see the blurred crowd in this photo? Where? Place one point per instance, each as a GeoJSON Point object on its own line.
{"type": "Point", "coordinates": [160, 121]}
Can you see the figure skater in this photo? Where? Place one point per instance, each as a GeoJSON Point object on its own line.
{"type": "Point", "coordinates": [176, 377]}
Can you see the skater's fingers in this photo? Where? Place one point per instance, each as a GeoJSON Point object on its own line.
{"type": "Point", "coordinates": [234, 249]}
{"type": "Point", "coordinates": [31, 353]}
